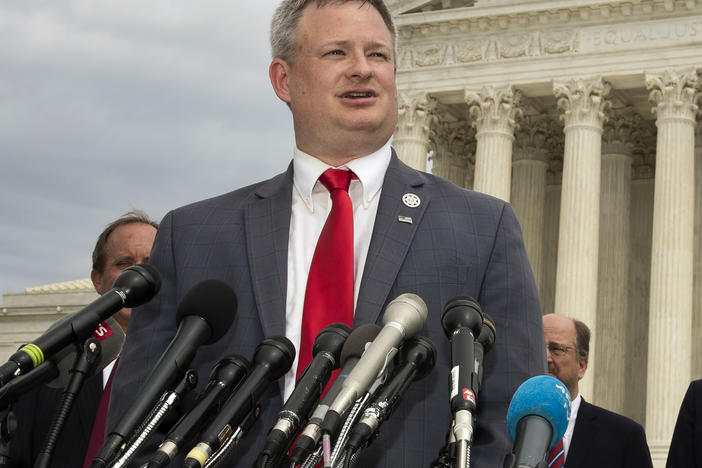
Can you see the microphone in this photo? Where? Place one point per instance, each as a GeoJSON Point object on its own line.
{"type": "Point", "coordinates": [414, 361]}
{"type": "Point", "coordinates": [353, 348]}
{"type": "Point", "coordinates": [483, 344]}
{"type": "Point", "coordinates": [136, 285]}
{"type": "Point", "coordinates": [462, 321]}
{"type": "Point", "coordinates": [309, 387]}
{"type": "Point", "coordinates": [403, 318]}
{"type": "Point", "coordinates": [273, 357]}
{"type": "Point", "coordinates": [55, 371]}
{"type": "Point", "coordinates": [204, 316]}
{"type": "Point", "coordinates": [225, 376]}
{"type": "Point", "coordinates": [537, 418]}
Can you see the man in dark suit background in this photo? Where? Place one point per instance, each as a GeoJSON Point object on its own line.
{"type": "Point", "coordinates": [686, 445]}
{"type": "Point", "coordinates": [334, 66]}
{"type": "Point", "coordinates": [124, 242]}
{"type": "Point", "coordinates": [595, 437]}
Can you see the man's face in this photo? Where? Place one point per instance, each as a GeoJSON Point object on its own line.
{"type": "Point", "coordinates": [341, 84]}
{"type": "Point", "coordinates": [127, 245]}
{"type": "Point", "coordinates": [561, 355]}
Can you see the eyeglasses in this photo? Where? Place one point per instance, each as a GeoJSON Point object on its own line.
{"type": "Point", "coordinates": [558, 350]}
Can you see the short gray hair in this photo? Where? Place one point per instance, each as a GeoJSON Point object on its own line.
{"type": "Point", "coordinates": [287, 17]}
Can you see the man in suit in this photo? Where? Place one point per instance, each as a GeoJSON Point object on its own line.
{"type": "Point", "coordinates": [686, 445]}
{"type": "Point", "coordinates": [334, 67]}
{"type": "Point", "coordinates": [595, 436]}
{"type": "Point", "coordinates": [124, 242]}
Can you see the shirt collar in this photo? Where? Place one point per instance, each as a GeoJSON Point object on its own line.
{"type": "Point", "coordinates": [369, 169]}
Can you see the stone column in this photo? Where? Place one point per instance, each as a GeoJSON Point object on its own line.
{"type": "Point", "coordinates": [416, 116]}
{"type": "Point", "coordinates": [454, 147]}
{"type": "Point", "coordinates": [697, 286]}
{"type": "Point", "coordinates": [673, 96]}
{"type": "Point", "coordinates": [494, 112]}
{"type": "Point", "coordinates": [552, 212]}
{"type": "Point", "coordinates": [641, 212]}
{"type": "Point", "coordinates": [613, 277]}
{"type": "Point", "coordinates": [528, 194]}
{"type": "Point", "coordinates": [583, 104]}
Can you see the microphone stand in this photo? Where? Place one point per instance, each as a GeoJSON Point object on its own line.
{"type": "Point", "coordinates": [8, 427]}
{"type": "Point", "coordinates": [155, 418]}
{"type": "Point", "coordinates": [84, 364]}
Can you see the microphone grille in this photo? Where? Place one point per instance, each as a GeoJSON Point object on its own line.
{"type": "Point", "coordinates": [212, 300]}
{"type": "Point", "coordinates": [543, 396]}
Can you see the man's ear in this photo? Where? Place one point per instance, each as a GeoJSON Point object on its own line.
{"type": "Point", "coordinates": [278, 72]}
{"type": "Point", "coordinates": [582, 366]}
{"type": "Point", "coordinates": [95, 277]}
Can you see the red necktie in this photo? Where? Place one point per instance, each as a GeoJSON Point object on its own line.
{"type": "Point", "coordinates": [329, 292]}
{"type": "Point", "coordinates": [97, 435]}
{"type": "Point", "coordinates": [556, 457]}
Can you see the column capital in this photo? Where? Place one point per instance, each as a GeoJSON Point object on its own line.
{"type": "Point", "coordinates": [416, 114]}
{"type": "Point", "coordinates": [583, 101]}
{"type": "Point", "coordinates": [674, 94]}
{"type": "Point", "coordinates": [494, 109]}
{"type": "Point", "coordinates": [534, 139]}
{"type": "Point", "coordinates": [622, 131]}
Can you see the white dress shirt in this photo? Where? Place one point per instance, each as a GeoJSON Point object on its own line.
{"type": "Point", "coordinates": [311, 204]}
{"type": "Point", "coordinates": [568, 436]}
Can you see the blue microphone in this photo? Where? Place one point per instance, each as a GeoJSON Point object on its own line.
{"type": "Point", "coordinates": [537, 418]}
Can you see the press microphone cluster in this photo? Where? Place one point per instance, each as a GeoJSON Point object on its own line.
{"type": "Point", "coordinates": [136, 285]}
{"type": "Point", "coordinates": [224, 378]}
{"type": "Point", "coordinates": [204, 316]}
{"type": "Point", "coordinates": [353, 349]}
{"type": "Point", "coordinates": [537, 418]}
{"type": "Point", "coordinates": [366, 361]}
{"type": "Point", "coordinates": [326, 352]}
{"type": "Point", "coordinates": [273, 357]}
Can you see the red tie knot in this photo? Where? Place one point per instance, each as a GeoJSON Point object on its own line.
{"type": "Point", "coordinates": [334, 179]}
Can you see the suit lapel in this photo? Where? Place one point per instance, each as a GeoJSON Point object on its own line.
{"type": "Point", "coordinates": [583, 435]}
{"type": "Point", "coordinates": [391, 237]}
{"type": "Point", "coordinates": [267, 221]}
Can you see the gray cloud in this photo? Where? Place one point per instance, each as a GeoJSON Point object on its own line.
{"type": "Point", "coordinates": [109, 106]}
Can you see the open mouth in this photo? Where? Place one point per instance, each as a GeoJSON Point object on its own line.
{"type": "Point", "coordinates": [358, 94]}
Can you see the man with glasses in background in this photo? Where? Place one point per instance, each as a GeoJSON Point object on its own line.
{"type": "Point", "coordinates": [595, 436]}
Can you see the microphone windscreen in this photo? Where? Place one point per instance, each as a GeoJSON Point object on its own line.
{"type": "Point", "coordinates": [543, 396]}
{"type": "Point", "coordinates": [356, 342]}
{"type": "Point", "coordinates": [140, 283]}
{"type": "Point", "coordinates": [111, 338]}
{"type": "Point", "coordinates": [212, 300]}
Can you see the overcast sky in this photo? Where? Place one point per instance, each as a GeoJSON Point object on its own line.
{"type": "Point", "coordinates": [106, 106]}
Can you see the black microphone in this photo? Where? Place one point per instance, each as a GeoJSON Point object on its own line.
{"type": "Point", "coordinates": [204, 316]}
{"type": "Point", "coordinates": [225, 376]}
{"type": "Point", "coordinates": [462, 321]}
{"type": "Point", "coordinates": [136, 285]}
{"type": "Point", "coordinates": [309, 387]}
{"type": "Point", "coordinates": [403, 317]}
{"type": "Point", "coordinates": [537, 418]}
{"type": "Point", "coordinates": [352, 351]}
{"type": "Point", "coordinates": [483, 344]}
{"type": "Point", "coordinates": [273, 357]}
{"type": "Point", "coordinates": [55, 371]}
{"type": "Point", "coordinates": [414, 361]}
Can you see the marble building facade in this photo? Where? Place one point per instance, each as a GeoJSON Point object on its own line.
{"type": "Point", "coordinates": [584, 116]}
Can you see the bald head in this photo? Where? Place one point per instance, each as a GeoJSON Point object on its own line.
{"type": "Point", "coordinates": [566, 355]}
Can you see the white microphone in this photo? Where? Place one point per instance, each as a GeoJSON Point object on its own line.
{"type": "Point", "coordinates": [403, 318]}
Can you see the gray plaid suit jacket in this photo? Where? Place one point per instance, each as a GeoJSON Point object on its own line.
{"type": "Point", "coordinates": [459, 243]}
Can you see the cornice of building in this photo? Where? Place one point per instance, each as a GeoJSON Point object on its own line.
{"type": "Point", "coordinates": [538, 14]}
